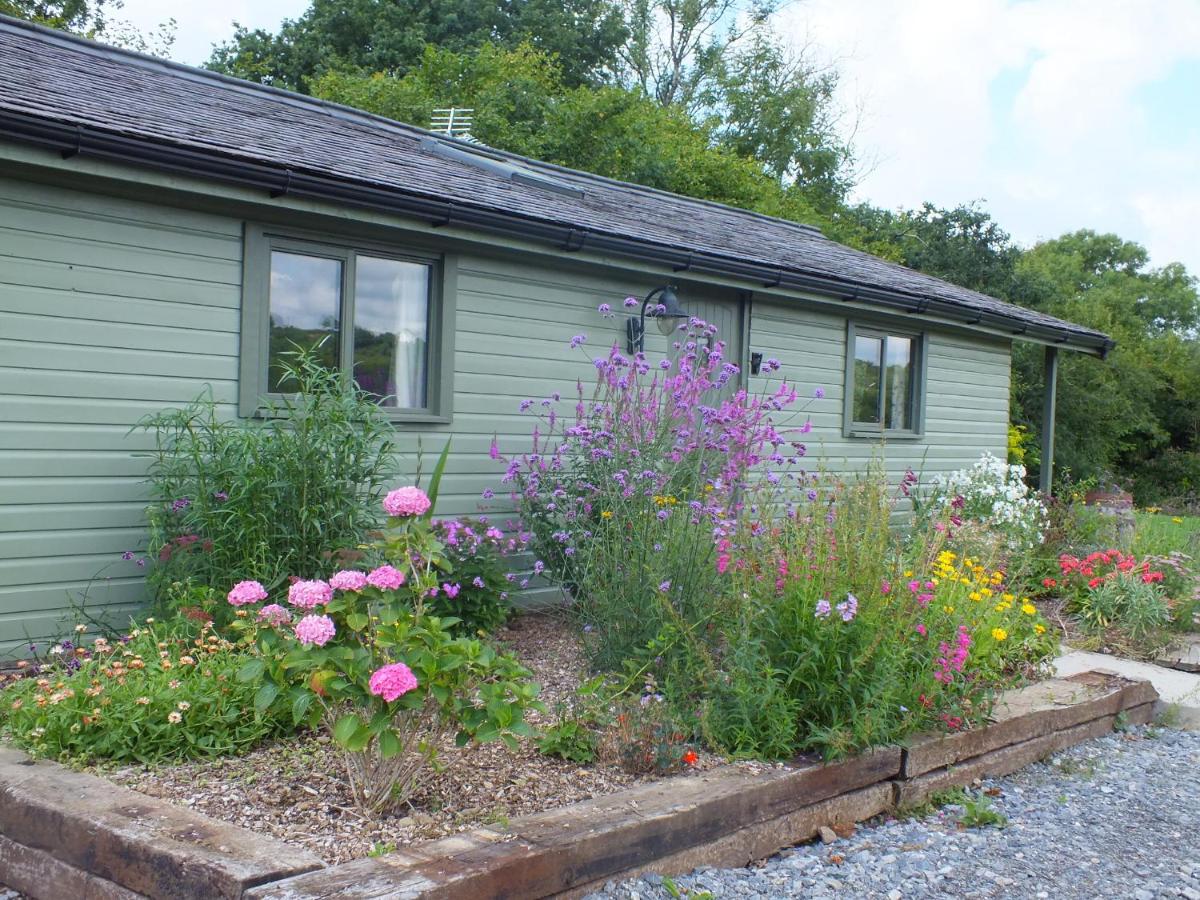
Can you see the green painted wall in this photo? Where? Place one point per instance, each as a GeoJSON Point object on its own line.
{"type": "Point", "coordinates": [112, 308]}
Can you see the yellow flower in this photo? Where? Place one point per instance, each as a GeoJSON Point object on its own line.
{"type": "Point", "coordinates": [987, 592]}
{"type": "Point", "coordinates": [948, 609]}
{"type": "Point", "coordinates": [1029, 609]}
{"type": "Point", "coordinates": [708, 489]}
{"type": "Point", "coordinates": [1039, 628]}
{"type": "Point", "coordinates": [999, 634]}
{"type": "Point", "coordinates": [975, 595]}
{"type": "Point", "coordinates": [908, 573]}
{"type": "Point", "coordinates": [1177, 520]}
{"type": "Point", "coordinates": [606, 514]}
{"type": "Point", "coordinates": [1006, 596]}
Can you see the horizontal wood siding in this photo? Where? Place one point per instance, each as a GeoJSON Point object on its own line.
{"type": "Point", "coordinates": [111, 309]}
{"type": "Point", "coordinates": [966, 396]}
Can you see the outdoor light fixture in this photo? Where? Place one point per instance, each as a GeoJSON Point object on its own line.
{"type": "Point", "coordinates": [666, 310]}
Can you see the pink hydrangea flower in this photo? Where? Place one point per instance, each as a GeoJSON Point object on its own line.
{"type": "Point", "coordinates": [245, 592]}
{"type": "Point", "coordinates": [348, 580]}
{"type": "Point", "coordinates": [393, 681]}
{"type": "Point", "coordinates": [274, 614]}
{"type": "Point", "coordinates": [386, 578]}
{"type": "Point", "coordinates": [406, 501]}
{"type": "Point", "coordinates": [315, 630]}
{"type": "Point", "coordinates": [308, 594]}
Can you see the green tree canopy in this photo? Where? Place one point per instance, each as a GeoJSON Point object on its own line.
{"type": "Point", "coordinates": [390, 36]}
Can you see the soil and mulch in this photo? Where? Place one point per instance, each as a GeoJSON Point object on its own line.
{"type": "Point", "coordinates": [293, 789]}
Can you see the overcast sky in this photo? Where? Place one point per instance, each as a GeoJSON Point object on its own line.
{"type": "Point", "coordinates": [1058, 114]}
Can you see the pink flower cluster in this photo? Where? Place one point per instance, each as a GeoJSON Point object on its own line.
{"type": "Point", "coordinates": [348, 580]}
{"type": "Point", "coordinates": [923, 591]}
{"type": "Point", "coordinates": [386, 578]}
{"type": "Point", "coordinates": [950, 662]}
{"type": "Point", "coordinates": [309, 594]}
{"type": "Point", "coordinates": [274, 614]}
{"type": "Point", "coordinates": [315, 630]}
{"type": "Point", "coordinates": [392, 681]}
{"type": "Point", "coordinates": [245, 592]}
{"type": "Point", "coordinates": [406, 501]}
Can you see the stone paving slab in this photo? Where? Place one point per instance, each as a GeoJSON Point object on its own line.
{"type": "Point", "coordinates": [1177, 690]}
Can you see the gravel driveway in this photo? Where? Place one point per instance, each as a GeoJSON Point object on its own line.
{"type": "Point", "coordinates": [1116, 817]}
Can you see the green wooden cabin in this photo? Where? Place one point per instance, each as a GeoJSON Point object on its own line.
{"type": "Point", "coordinates": [161, 225]}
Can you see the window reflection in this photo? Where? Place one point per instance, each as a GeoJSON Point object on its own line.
{"type": "Point", "coordinates": [305, 307]}
{"type": "Point", "coordinates": [391, 330]}
{"type": "Point", "coordinates": [867, 355]}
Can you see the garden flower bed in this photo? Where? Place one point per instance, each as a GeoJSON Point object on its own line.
{"type": "Point", "coordinates": [293, 789]}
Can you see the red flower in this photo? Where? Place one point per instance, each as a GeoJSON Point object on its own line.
{"type": "Point", "coordinates": [1049, 582]}
{"type": "Point", "coordinates": [1095, 582]}
{"type": "Point", "coordinates": [690, 758]}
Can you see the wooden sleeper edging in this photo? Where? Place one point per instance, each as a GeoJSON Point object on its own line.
{"type": "Point", "coordinates": [95, 839]}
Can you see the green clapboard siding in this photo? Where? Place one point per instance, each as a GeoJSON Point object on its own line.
{"type": "Point", "coordinates": [112, 308]}
{"type": "Point", "coordinates": [109, 310]}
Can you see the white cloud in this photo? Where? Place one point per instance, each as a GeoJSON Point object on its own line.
{"type": "Point", "coordinates": [1039, 107]}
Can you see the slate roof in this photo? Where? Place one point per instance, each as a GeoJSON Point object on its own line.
{"type": "Point", "coordinates": [50, 78]}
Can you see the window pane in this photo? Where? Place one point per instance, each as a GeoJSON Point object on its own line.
{"type": "Point", "coordinates": [897, 407]}
{"type": "Point", "coordinates": [391, 330]}
{"type": "Point", "coordinates": [305, 304]}
{"type": "Point", "coordinates": [867, 354]}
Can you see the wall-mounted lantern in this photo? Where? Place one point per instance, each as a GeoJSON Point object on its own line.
{"type": "Point", "coordinates": [666, 311]}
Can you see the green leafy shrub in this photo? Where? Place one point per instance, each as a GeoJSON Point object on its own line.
{"type": "Point", "coordinates": [1126, 604]}
{"type": "Point", "coordinates": [262, 500]}
{"type": "Point", "coordinates": [475, 585]}
{"type": "Point", "coordinates": [151, 696]}
{"type": "Point", "coordinates": [569, 739]}
{"type": "Point", "coordinates": [389, 681]}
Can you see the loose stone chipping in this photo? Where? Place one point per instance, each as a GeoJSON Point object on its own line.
{"type": "Point", "coordinates": [1115, 817]}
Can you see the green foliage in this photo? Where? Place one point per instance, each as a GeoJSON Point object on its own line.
{"type": "Point", "coordinates": [93, 19]}
{"type": "Point", "coordinates": [263, 500]}
{"type": "Point", "coordinates": [472, 565]}
{"type": "Point", "coordinates": [390, 682]}
{"type": "Point", "coordinates": [568, 739]}
{"type": "Point", "coordinates": [979, 812]}
{"type": "Point", "coordinates": [1125, 604]}
{"type": "Point", "coordinates": [160, 695]}
{"type": "Point", "coordinates": [1120, 416]}
{"type": "Point", "coordinates": [391, 36]}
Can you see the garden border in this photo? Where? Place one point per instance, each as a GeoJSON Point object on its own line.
{"type": "Point", "coordinates": [67, 833]}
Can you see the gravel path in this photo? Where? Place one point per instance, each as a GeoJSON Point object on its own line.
{"type": "Point", "coordinates": [1116, 817]}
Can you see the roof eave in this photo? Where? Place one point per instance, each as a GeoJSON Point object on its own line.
{"type": "Point", "coordinates": [78, 140]}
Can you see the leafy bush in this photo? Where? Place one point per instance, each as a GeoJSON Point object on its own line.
{"type": "Point", "coordinates": [647, 737]}
{"type": "Point", "coordinates": [772, 606]}
{"type": "Point", "coordinates": [622, 500]}
{"type": "Point", "coordinates": [259, 501]}
{"type": "Point", "coordinates": [1116, 594]}
{"type": "Point", "coordinates": [1127, 604]}
{"type": "Point", "coordinates": [475, 582]}
{"type": "Point", "coordinates": [148, 697]}
{"type": "Point", "coordinates": [388, 679]}
{"type": "Point", "coordinates": [994, 494]}
{"type": "Point", "coordinates": [852, 649]}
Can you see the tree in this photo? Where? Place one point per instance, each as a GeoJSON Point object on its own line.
{"type": "Point", "coordinates": [523, 105]}
{"type": "Point", "coordinates": [777, 106]}
{"type": "Point", "coordinates": [1119, 417]}
{"type": "Point", "coordinates": [93, 19]}
{"type": "Point", "coordinates": [390, 36]}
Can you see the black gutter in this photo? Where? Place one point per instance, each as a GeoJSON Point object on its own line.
{"type": "Point", "coordinates": [78, 140]}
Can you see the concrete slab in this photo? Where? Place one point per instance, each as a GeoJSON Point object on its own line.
{"type": "Point", "coordinates": [1183, 654]}
{"type": "Point", "coordinates": [1177, 689]}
